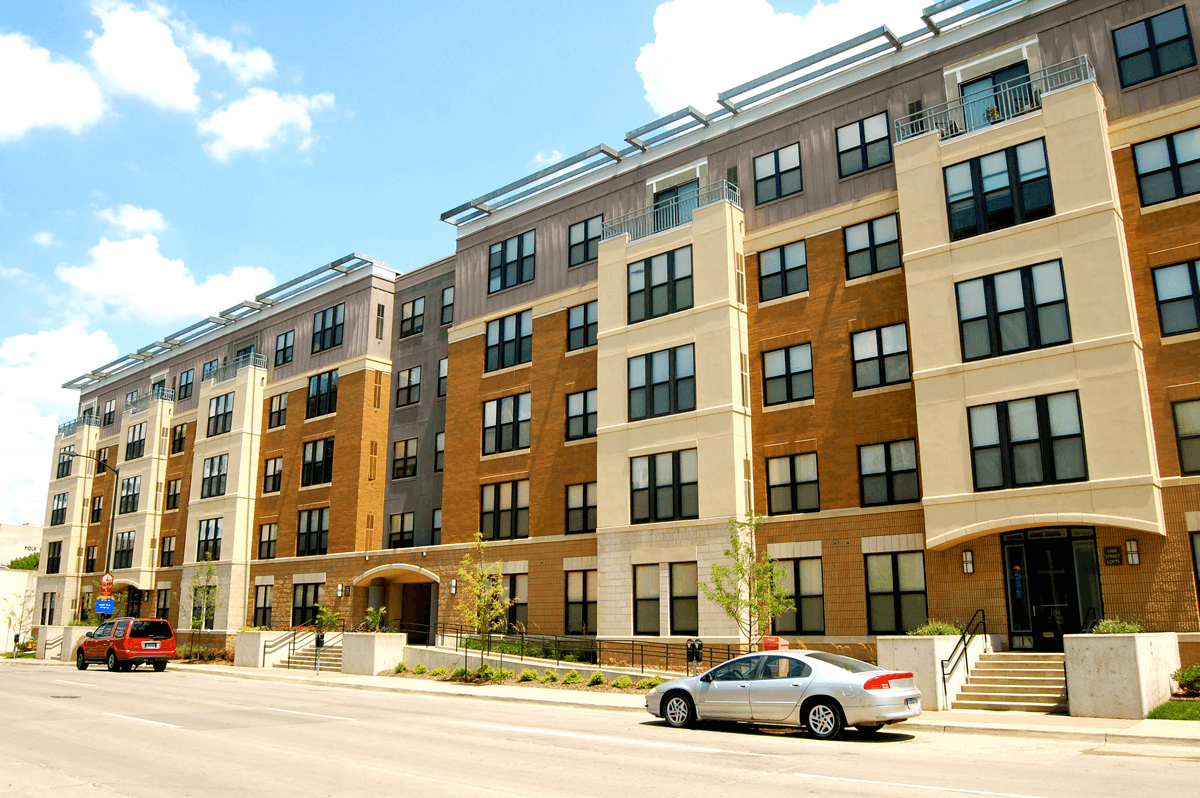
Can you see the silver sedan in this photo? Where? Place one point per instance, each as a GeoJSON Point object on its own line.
{"type": "Point", "coordinates": [821, 691]}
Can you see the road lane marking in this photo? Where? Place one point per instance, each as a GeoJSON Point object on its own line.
{"type": "Point", "coordinates": [310, 714]}
{"type": "Point", "coordinates": [915, 786]}
{"type": "Point", "coordinates": [598, 738]}
{"type": "Point", "coordinates": [142, 720]}
{"type": "Point", "coordinates": [81, 684]}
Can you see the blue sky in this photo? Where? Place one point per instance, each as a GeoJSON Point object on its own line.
{"type": "Point", "coordinates": [159, 162]}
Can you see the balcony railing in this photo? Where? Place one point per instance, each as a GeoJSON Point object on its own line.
{"type": "Point", "coordinates": [230, 369]}
{"type": "Point", "coordinates": [1006, 100]}
{"type": "Point", "coordinates": [68, 429]}
{"type": "Point", "coordinates": [674, 212]}
{"type": "Point", "coordinates": [133, 406]}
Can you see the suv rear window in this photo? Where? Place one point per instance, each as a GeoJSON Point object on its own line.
{"type": "Point", "coordinates": [845, 663]}
{"type": "Point", "coordinates": [150, 630]}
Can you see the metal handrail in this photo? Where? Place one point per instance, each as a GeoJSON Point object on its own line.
{"type": "Point", "coordinates": [1090, 619]}
{"type": "Point", "coordinates": [670, 213]}
{"type": "Point", "coordinates": [143, 402]}
{"type": "Point", "coordinates": [230, 369]}
{"type": "Point", "coordinates": [974, 627]}
{"type": "Point", "coordinates": [1009, 99]}
{"type": "Point", "coordinates": [68, 428]}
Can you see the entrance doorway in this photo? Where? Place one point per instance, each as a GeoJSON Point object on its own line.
{"type": "Point", "coordinates": [133, 602]}
{"type": "Point", "coordinates": [1052, 583]}
{"type": "Point", "coordinates": [416, 601]}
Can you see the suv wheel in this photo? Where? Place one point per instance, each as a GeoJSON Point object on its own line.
{"type": "Point", "coordinates": [80, 660]}
{"type": "Point", "coordinates": [159, 667]}
{"type": "Point", "coordinates": [112, 663]}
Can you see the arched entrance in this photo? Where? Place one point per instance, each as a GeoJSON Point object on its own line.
{"type": "Point", "coordinates": [409, 593]}
{"type": "Point", "coordinates": [128, 601]}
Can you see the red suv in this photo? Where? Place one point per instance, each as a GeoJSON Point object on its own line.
{"type": "Point", "coordinates": [125, 643]}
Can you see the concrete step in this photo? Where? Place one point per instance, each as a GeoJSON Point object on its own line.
{"type": "Point", "coordinates": [1018, 673]}
{"type": "Point", "coordinates": [1009, 687]}
{"type": "Point", "coordinates": [1018, 664]}
{"type": "Point", "coordinates": [1010, 704]}
{"type": "Point", "coordinates": [1000, 656]}
{"type": "Point", "coordinates": [993, 681]}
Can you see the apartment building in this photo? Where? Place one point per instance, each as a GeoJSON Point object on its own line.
{"type": "Point", "coordinates": [926, 302]}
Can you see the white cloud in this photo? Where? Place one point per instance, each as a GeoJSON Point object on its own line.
{"type": "Point", "coordinates": [13, 273]}
{"type": "Point", "coordinates": [246, 65]}
{"type": "Point", "coordinates": [38, 92]}
{"type": "Point", "coordinates": [260, 120]}
{"type": "Point", "coordinates": [132, 219]}
{"type": "Point", "coordinates": [138, 56]}
{"type": "Point", "coordinates": [545, 159]}
{"type": "Point", "coordinates": [674, 76]}
{"type": "Point", "coordinates": [43, 239]}
{"type": "Point", "coordinates": [132, 279]}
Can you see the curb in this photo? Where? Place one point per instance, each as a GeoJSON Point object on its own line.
{"type": "Point", "coordinates": [1074, 735]}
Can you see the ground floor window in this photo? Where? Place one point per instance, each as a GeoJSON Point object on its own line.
{"type": "Point", "coordinates": [895, 592]}
{"type": "Point", "coordinates": [685, 613]}
{"type": "Point", "coordinates": [204, 606]}
{"type": "Point", "coordinates": [802, 582]}
{"type": "Point", "coordinates": [581, 603]}
{"type": "Point", "coordinates": [516, 589]}
{"type": "Point", "coordinates": [163, 607]}
{"type": "Point", "coordinates": [262, 604]}
{"type": "Point", "coordinates": [48, 609]}
{"type": "Point", "coordinates": [305, 599]}
{"type": "Point", "coordinates": [645, 599]}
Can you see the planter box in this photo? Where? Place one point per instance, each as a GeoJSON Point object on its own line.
{"type": "Point", "coordinates": [368, 653]}
{"type": "Point", "coordinates": [1119, 676]}
{"type": "Point", "coordinates": [49, 641]}
{"type": "Point", "coordinates": [71, 637]}
{"type": "Point", "coordinates": [249, 650]}
{"type": "Point", "coordinates": [923, 656]}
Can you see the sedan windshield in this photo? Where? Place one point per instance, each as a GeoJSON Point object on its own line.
{"type": "Point", "coordinates": [845, 663]}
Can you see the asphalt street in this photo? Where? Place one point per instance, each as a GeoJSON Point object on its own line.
{"type": "Point", "coordinates": [95, 733]}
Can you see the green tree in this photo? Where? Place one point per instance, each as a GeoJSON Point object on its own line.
{"type": "Point", "coordinates": [27, 563]}
{"type": "Point", "coordinates": [481, 604]}
{"type": "Point", "coordinates": [750, 589]}
{"type": "Point", "coordinates": [205, 592]}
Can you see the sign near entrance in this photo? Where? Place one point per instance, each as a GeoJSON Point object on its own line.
{"type": "Point", "coordinates": [104, 606]}
{"type": "Point", "coordinates": [1112, 555]}
{"type": "Point", "coordinates": [106, 586]}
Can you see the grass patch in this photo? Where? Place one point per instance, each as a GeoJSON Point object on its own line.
{"type": "Point", "coordinates": [1177, 710]}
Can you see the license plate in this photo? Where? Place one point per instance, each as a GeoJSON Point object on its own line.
{"type": "Point", "coordinates": [913, 702]}
{"type": "Point", "coordinates": [155, 645]}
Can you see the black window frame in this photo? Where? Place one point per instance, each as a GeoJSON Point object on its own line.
{"type": "Point", "coordinates": [110, 412]}
{"type": "Point", "coordinates": [890, 474]}
{"type": "Point", "coordinates": [779, 265]}
{"type": "Point", "coordinates": [683, 599]}
{"type": "Point", "coordinates": [1031, 309]}
{"type": "Point", "coordinates": [795, 488]}
{"type": "Point", "coordinates": [306, 596]}
{"type": "Point", "coordinates": [272, 475]}
{"type": "Point", "coordinates": [1046, 442]}
{"type": "Point", "coordinates": [312, 532]}
{"type": "Point", "coordinates": [517, 616]}
{"type": "Point", "coordinates": [322, 394]}
{"type": "Point", "coordinates": [503, 351]}
{"type": "Point", "coordinates": [268, 541]}
{"type": "Point", "coordinates": [277, 410]}
{"type": "Point", "coordinates": [505, 272]}
{"type": "Point", "coordinates": [317, 462]}
{"type": "Point", "coordinates": [1190, 453]}
{"type": "Point", "coordinates": [439, 452]}
{"type": "Point", "coordinates": [1174, 168]}
{"type": "Point", "coordinates": [775, 179]}
{"type": "Point", "coordinates": [208, 539]}
{"type": "Point", "coordinates": [89, 560]}
{"type": "Point", "coordinates": [207, 370]}
{"type": "Point", "coordinates": [123, 550]}
{"type": "Point", "coordinates": [408, 387]}
{"type": "Point", "coordinates": [174, 487]}
{"type": "Point", "coordinates": [264, 597]}
{"type": "Point", "coordinates": [447, 316]}
{"type": "Point", "coordinates": [404, 458]}
{"type": "Point", "coordinates": [645, 601]}
{"type": "Point", "coordinates": [131, 490]}
{"type": "Point", "coordinates": [135, 441]}
{"type": "Point", "coordinates": [799, 597]}
{"type": "Point", "coordinates": [587, 248]}
{"type": "Point", "coordinates": [53, 557]}
{"type": "Point", "coordinates": [679, 490]}
{"type": "Point", "coordinates": [58, 508]}
{"type": "Point", "coordinates": [97, 514]}
{"type": "Point", "coordinates": [582, 325]}
{"type": "Point", "coordinates": [178, 438]}
{"type": "Point", "coordinates": [166, 552]}
{"type": "Point", "coordinates": [213, 476]}
{"type": "Point", "coordinates": [678, 291]}
{"type": "Point", "coordinates": [582, 513]}
{"type": "Point", "coordinates": [587, 608]}
{"type": "Point", "coordinates": [678, 390]}
{"type": "Point", "coordinates": [492, 523]}
{"type": "Point", "coordinates": [220, 414]}
{"type": "Point", "coordinates": [512, 435]}
{"type": "Point", "coordinates": [582, 414]}
{"type": "Point", "coordinates": [1193, 271]}
{"type": "Point", "coordinates": [66, 461]}
{"type": "Point", "coordinates": [877, 250]}
{"type": "Point", "coordinates": [896, 592]}
{"type": "Point", "coordinates": [187, 380]}
{"type": "Point", "coordinates": [793, 381]}
{"type": "Point", "coordinates": [1153, 47]}
{"type": "Point", "coordinates": [329, 327]}
{"type": "Point", "coordinates": [285, 347]}
{"type": "Point", "coordinates": [443, 376]}
{"type": "Point", "coordinates": [403, 535]}
{"type": "Point", "coordinates": [881, 360]}
{"type": "Point", "coordinates": [412, 317]}
{"type": "Point", "coordinates": [1016, 188]}
{"type": "Point", "coordinates": [863, 148]}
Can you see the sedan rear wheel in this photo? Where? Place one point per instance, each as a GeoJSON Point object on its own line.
{"type": "Point", "coordinates": [111, 662]}
{"type": "Point", "coordinates": [823, 719]}
{"type": "Point", "coordinates": [679, 711]}
{"type": "Point", "coordinates": [80, 660]}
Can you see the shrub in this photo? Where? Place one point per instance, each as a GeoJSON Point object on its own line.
{"type": "Point", "coordinates": [1116, 626]}
{"type": "Point", "coordinates": [528, 675]}
{"type": "Point", "coordinates": [572, 677]}
{"type": "Point", "coordinates": [460, 672]}
{"type": "Point", "coordinates": [439, 671]}
{"type": "Point", "coordinates": [649, 683]}
{"type": "Point", "coordinates": [485, 671]}
{"type": "Point", "coordinates": [550, 677]}
{"type": "Point", "coordinates": [400, 668]}
{"type": "Point", "coordinates": [201, 653]}
{"type": "Point", "coordinates": [623, 682]}
{"type": "Point", "coordinates": [502, 674]}
{"type": "Point", "coordinates": [597, 679]}
{"type": "Point", "coordinates": [1188, 678]}
{"type": "Point", "coordinates": [936, 627]}
{"type": "Point", "coordinates": [420, 669]}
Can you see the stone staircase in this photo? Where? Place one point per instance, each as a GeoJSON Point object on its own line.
{"type": "Point", "coordinates": [306, 659]}
{"type": "Point", "coordinates": [1015, 680]}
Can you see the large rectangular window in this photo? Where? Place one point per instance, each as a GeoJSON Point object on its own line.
{"type": "Point", "coordinates": [166, 552]}
{"type": "Point", "coordinates": [998, 190]}
{"type": "Point", "coordinates": [263, 596]}
{"type": "Point", "coordinates": [402, 528]}
{"type": "Point", "coordinates": [212, 481]}
{"type": "Point", "coordinates": [48, 608]}
{"type": "Point", "coordinates": [803, 584]}
{"type": "Point", "coordinates": [1034, 441]}
{"type": "Point", "coordinates": [209, 369]}
{"type": "Point", "coordinates": [305, 598]}
{"type": "Point", "coordinates": [58, 509]}
{"type": "Point", "coordinates": [872, 247]}
{"type": "Point", "coordinates": [783, 271]}
{"type": "Point", "coordinates": [504, 510]}
{"type": "Point", "coordinates": [312, 535]}
{"type": "Point", "coordinates": [581, 603]}
{"type": "Point", "coordinates": [581, 326]}
{"type": "Point", "coordinates": [887, 473]}
{"type": "Point", "coordinates": [863, 145]}
{"type": "Point", "coordinates": [443, 376]}
{"type": "Point", "coordinates": [277, 415]}
{"type": "Point", "coordinates": [53, 557]}
{"type": "Point", "coordinates": [787, 375]}
{"type": "Point", "coordinates": [660, 285]}
{"type": "Point", "coordinates": [664, 487]}
{"type": "Point", "coordinates": [328, 328]}
{"type": "Point", "coordinates": [1168, 167]}
{"type": "Point", "coordinates": [404, 459]}
{"type": "Point", "coordinates": [509, 341]}
{"type": "Point", "coordinates": [123, 550]}
{"type": "Point", "coordinates": [1187, 435]}
{"type": "Point", "coordinates": [208, 544]}
{"type": "Point", "coordinates": [135, 441]}
{"type": "Point", "coordinates": [645, 599]}
{"type": "Point", "coordinates": [178, 438]}
{"type": "Point", "coordinates": [895, 592]}
{"type": "Point", "coordinates": [662, 383]}
{"type": "Point", "coordinates": [581, 415]}
{"type": "Point", "coordinates": [881, 357]}
{"type": "Point", "coordinates": [439, 451]}
{"type": "Point", "coordinates": [448, 304]}
{"type": "Point", "coordinates": [1177, 289]}
{"type": "Point", "coordinates": [506, 423]}
{"type": "Point", "coordinates": [317, 463]}
{"type": "Point", "coordinates": [408, 387]}
{"type": "Point", "coordinates": [268, 537]}
{"type": "Point", "coordinates": [584, 240]}
{"type": "Point", "coordinates": [162, 604]}
{"type": "Point", "coordinates": [685, 603]}
{"type": "Point", "coordinates": [1159, 45]}
{"type": "Point", "coordinates": [110, 412]}
{"type": "Point", "coordinates": [66, 459]}
{"type": "Point", "coordinates": [130, 490]}
{"type": "Point", "coordinates": [777, 174]}
{"type": "Point", "coordinates": [98, 506]}
{"type": "Point", "coordinates": [272, 475]}
{"type": "Point", "coordinates": [1013, 311]}
{"type": "Point", "coordinates": [511, 262]}
{"type": "Point", "coordinates": [322, 394]}
{"type": "Point", "coordinates": [516, 590]}
{"type": "Point", "coordinates": [581, 508]}
{"type": "Point", "coordinates": [412, 317]}
{"type": "Point", "coordinates": [792, 485]}
{"type": "Point", "coordinates": [285, 347]}
{"type": "Point", "coordinates": [174, 486]}
{"type": "Point", "coordinates": [220, 414]}
{"type": "Point", "coordinates": [186, 382]}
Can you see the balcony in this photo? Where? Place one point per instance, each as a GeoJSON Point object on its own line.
{"type": "Point", "coordinates": [230, 369]}
{"type": "Point", "coordinates": [963, 116]}
{"type": "Point", "coordinates": [674, 212]}
{"type": "Point", "coordinates": [68, 429]}
{"type": "Point", "coordinates": [133, 406]}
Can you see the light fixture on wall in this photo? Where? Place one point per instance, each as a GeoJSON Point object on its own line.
{"type": "Point", "coordinates": [1131, 553]}
{"type": "Point", "coordinates": [968, 561]}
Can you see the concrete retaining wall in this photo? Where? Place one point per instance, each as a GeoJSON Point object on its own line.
{"type": "Point", "coordinates": [1119, 676]}
{"type": "Point", "coordinates": [367, 654]}
{"type": "Point", "coordinates": [923, 656]}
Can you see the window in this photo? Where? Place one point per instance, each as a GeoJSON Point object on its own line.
{"type": "Point", "coordinates": [511, 262]}
{"type": "Point", "coordinates": [48, 609]}
{"type": "Point", "coordinates": [645, 599]}
{"type": "Point", "coordinates": [305, 599]}
{"type": "Point", "coordinates": [58, 509]}
{"type": "Point", "coordinates": [322, 394]}
{"type": "Point", "coordinates": [872, 247]}
{"type": "Point", "coordinates": [439, 451]}
{"type": "Point", "coordinates": [403, 527]}
{"type": "Point", "coordinates": [666, 289]}
{"type": "Point", "coordinates": [173, 489]}
{"type": "Point", "coordinates": [581, 508]}
{"type": "Point", "coordinates": [408, 387]}
{"type": "Point", "coordinates": [313, 535]}
{"type": "Point", "coordinates": [328, 326]}
{"type": "Point", "coordinates": [880, 357]}
{"type": "Point", "coordinates": [448, 304]}
{"type": "Point", "coordinates": [792, 485]}
{"type": "Point", "coordinates": [581, 326]}
{"type": "Point", "coordinates": [273, 475]}
{"type": "Point", "coordinates": [1168, 167]}
{"type": "Point", "coordinates": [787, 375]}
{"type": "Point", "coordinates": [1177, 289]}
{"type": "Point", "coordinates": [509, 341]}
{"type": "Point", "coordinates": [404, 459]}
{"type": "Point", "coordinates": [412, 317]}
{"type": "Point", "coordinates": [863, 145]}
{"type": "Point", "coordinates": [178, 438]}
{"type": "Point", "coordinates": [53, 557]}
{"type": "Point", "coordinates": [998, 190]}
{"type": "Point", "coordinates": [162, 607]}
{"type": "Point", "coordinates": [97, 510]}
{"type": "Point", "coordinates": [506, 424]}
{"type": "Point", "coordinates": [1187, 435]}
{"type": "Point", "coordinates": [1034, 441]}
{"type": "Point", "coordinates": [663, 487]}
{"type": "Point", "coordinates": [887, 473]}
{"type": "Point", "coordinates": [130, 488]}
{"type": "Point", "coordinates": [166, 552]}
{"type": "Point", "coordinates": [263, 595]}
{"type": "Point", "coordinates": [1001, 95]}
{"type": "Point", "coordinates": [777, 174]}
{"type": "Point", "coordinates": [244, 352]}
{"type": "Point", "coordinates": [443, 375]}
{"type": "Point", "coordinates": [135, 441]}
{"type": "Point", "coordinates": [504, 510]}
{"type": "Point", "coordinates": [123, 550]}
{"type": "Point", "coordinates": [782, 271]}
{"type": "Point", "coordinates": [802, 583]}
{"type": "Point", "coordinates": [1156, 46]}
{"type": "Point", "coordinates": [1013, 311]}
{"type": "Point", "coordinates": [102, 460]}
{"type": "Point", "coordinates": [285, 346]}
{"type": "Point", "coordinates": [437, 527]}
{"type": "Point", "coordinates": [89, 562]}
{"type": "Point", "coordinates": [584, 240]}
{"type": "Point", "coordinates": [317, 463]}
{"type": "Point", "coordinates": [581, 415]}
{"type": "Point", "coordinates": [110, 412]}
{"type": "Point", "coordinates": [380, 318]}
{"type": "Point", "coordinates": [277, 416]}
{"type": "Point", "coordinates": [220, 414]}
{"type": "Point", "coordinates": [581, 603]}
{"type": "Point", "coordinates": [685, 610]}
{"type": "Point", "coordinates": [66, 459]}
{"type": "Point", "coordinates": [186, 380]}
{"type": "Point", "coordinates": [209, 369]}
{"type": "Point", "coordinates": [516, 589]}
{"type": "Point", "coordinates": [268, 536]}
{"type": "Point", "coordinates": [212, 480]}
{"type": "Point", "coordinates": [895, 592]}
{"type": "Point", "coordinates": [208, 545]}
{"type": "Point", "coordinates": [674, 206]}
{"type": "Point", "coordinates": [130, 398]}
{"type": "Point", "coordinates": [662, 383]}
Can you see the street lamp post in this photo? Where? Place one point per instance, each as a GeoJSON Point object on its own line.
{"type": "Point", "coordinates": [112, 511]}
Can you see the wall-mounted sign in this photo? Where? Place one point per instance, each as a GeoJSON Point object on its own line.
{"type": "Point", "coordinates": [1112, 555]}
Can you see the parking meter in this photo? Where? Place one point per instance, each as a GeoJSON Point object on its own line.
{"type": "Point", "coordinates": [699, 652]}
{"type": "Point", "coordinates": [320, 639]}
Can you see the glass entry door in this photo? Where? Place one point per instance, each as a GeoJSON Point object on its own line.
{"type": "Point", "coordinates": [1052, 582]}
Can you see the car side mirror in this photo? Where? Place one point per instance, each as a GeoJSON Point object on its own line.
{"type": "Point", "coordinates": [706, 677]}
{"type": "Point", "coordinates": [89, 634]}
